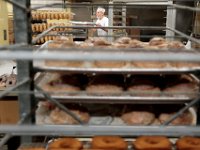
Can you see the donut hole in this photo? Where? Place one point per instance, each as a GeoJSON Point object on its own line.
{"type": "Point", "coordinates": [108, 141]}
{"type": "Point", "coordinates": [151, 141]}
{"type": "Point", "coordinates": [64, 145]}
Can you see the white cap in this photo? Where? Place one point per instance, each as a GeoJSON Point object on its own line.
{"type": "Point", "coordinates": [101, 9]}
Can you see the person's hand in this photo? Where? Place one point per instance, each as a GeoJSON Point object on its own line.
{"type": "Point", "coordinates": [98, 25]}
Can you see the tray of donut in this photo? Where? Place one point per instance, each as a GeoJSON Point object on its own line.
{"type": "Point", "coordinates": [117, 143]}
{"type": "Point", "coordinates": [113, 114]}
{"type": "Point", "coordinates": [113, 87]}
{"type": "Point", "coordinates": [124, 44]}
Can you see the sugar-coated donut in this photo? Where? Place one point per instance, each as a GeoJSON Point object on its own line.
{"type": "Point", "coordinates": [105, 85]}
{"type": "Point", "coordinates": [123, 40]}
{"type": "Point", "coordinates": [108, 143]}
{"type": "Point", "coordinates": [152, 143]}
{"type": "Point", "coordinates": [188, 143]}
{"type": "Point", "coordinates": [155, 41]}
{"type": "Point", "coordinates": [58, 116]}
{"type": "Point", "coordinates": [138, 118]}
{"type": "Point", "coordinates": [65, 143]}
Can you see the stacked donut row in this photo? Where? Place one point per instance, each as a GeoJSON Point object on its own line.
{"type": "Point", "coordinates": [44, 38]}
{"type": "Point", "coordinates": [132, 117]}
{"type": "Point", "coordinates": [44, 14]}
{"type": "Point", "coordinates": [118, 143]}
{"type": "Point", "coordinates": [135, 85]}
{"type": "Point", "coordinates": [156, 44]}
{"type": "Point", "coordinates": [40, 27]}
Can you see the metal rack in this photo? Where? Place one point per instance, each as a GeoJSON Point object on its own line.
{"type": "Point", "coordinates": [26, 71]}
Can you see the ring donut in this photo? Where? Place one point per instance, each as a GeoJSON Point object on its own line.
{"type": "Point", "coordinates": [108, 143]}
{"type": "Point", "coordinates": [65, 143]}
{"type": "Point", "coordinates": [189, 143]}
{"type": "Point", "coordinates": [152, 143]}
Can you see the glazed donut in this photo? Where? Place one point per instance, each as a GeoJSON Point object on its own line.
{"type": "Point", "coordinates": [60, 117]}
{"type": "Point", "coordinates": [188, 143]}
{"type": "Point", "coordinates": [175, 45]}
{"type": "Point", "coordinates": [123, 40]}
{"type": "Point", "coordinates": [105, 85]}
{"type": "Point", "coordinates": [143, 86]}
{"type": "Point", "coordinates": [138, 118]}
{"type": "Point", "coordinates": [108, 142]}
{"type": "Point", "coordinates": [157, 41]}
{"type": "Point", "coordinates": [136, 44]}
{"type": "Point", "coordinates": [152, 143]}
{"type": "Point", "coordinates": [184, 119]}
{"type": "Point", "coordinates": [65, 143]}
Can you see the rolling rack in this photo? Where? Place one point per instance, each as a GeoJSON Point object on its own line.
{"type": "Point", "coordinates": [23, 53]}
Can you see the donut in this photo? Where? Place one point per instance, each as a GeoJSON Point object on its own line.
{"type": "Point", "coordinates": [118, 45]}
{"type": "Point", "coordinates": [65, 83]}
{"type": "Point", "coordinates": [152, 143]}
{"type": "Point", "coordinates": [143, 86]}
{"type": "Point", "coordinates": [108, 142]}
{"type": "Point", "coordinates": [58, 116]}
{"type": "Point", "coordinates": [100, 41]}
{"type": "Point", "coordinates": [123, 40]}
{"type": "Point", "coordinates": [184, 119]}
{"type": "Point", "coordinates": [157, 41]}
{"type": "Point", "coordinates": [136, 44]}
{"type": "Point", "coordinates": [181, 86]}
{"type": "Point", "coordinates": [138, 118]}
{"type": "Point", "coordinates": [175, 45]}
{"type": "Point", "coordinates": [188, 143]}
{"type": "Point", "coordinates": [65, 143]}
{"type": "Point", "coordinates": [105, 85]}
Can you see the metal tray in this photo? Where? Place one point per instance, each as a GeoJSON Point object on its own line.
{"type": "Point", "coordinates": [122, 98]}
{"type": "Point", "coordinates": [118, 70]}
{"type": "Point", "coordinates": [87, 143]}
{"type": "Point", "coordinates": [88, 67]}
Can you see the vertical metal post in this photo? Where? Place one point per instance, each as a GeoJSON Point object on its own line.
{"type": "Point", "coordinates": [110, 17]}
{"type": "Point", "coordinates": [22, 28]}
{"type": "Point", "coordinates": [170, 20]}
{"type": "Point", "coordinates": [123, 15]}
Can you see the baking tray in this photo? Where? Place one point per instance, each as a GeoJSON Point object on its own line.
{"type": "Point", "coordinates": [118, 70]}
{"type": "Point", "coordinates": [42, 119]}
{"type": "Point", "coordinates": [122, 98]}
{"type": "Point", "coordinates": [79, 98]}
{"type": "Point", "coordinates": [87, 143]}
{"type": "Point", "coordinates": [88, 67]}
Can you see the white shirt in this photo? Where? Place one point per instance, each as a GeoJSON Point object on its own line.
{"type": "Point", "coordinates": [104, 23]}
